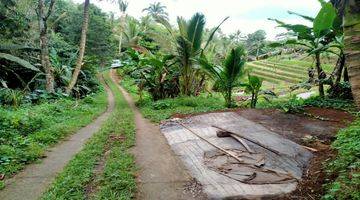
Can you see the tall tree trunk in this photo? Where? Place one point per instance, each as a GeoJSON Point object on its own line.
{"type": "Point", "coordinates": [44, 48]}
{"type": "Point", "coordinates": [122, 24]}
{"type": "Point", "coordinates": [320, 75]}
{"type": "Point", "coordinates": [352, 46]}
{"type": "Point", "coordinates": [81, 48]}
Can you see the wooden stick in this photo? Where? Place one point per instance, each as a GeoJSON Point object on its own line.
{"type": "Point", "coordinates": [309, 148]}
{"type": "Point", "coordinates": [251, 140]}
{"type": "Point", "coordinates": [220, 148]}
{"type": "Point", "coordinates": [242, 142]}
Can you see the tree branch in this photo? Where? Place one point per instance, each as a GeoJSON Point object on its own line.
{"type": "Point", "coordinates": [52, 3]}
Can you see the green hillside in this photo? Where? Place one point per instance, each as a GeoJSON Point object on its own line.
{"type": "Point", "coordinates": [282, 72]}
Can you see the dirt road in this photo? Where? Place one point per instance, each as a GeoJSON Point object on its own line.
{"type": "Point", "coordinates": [161, 174]}
{"type": "Point", "coordinates": [35, 178]}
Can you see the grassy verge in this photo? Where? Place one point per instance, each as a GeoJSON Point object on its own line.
{"type": "Point", "coordinates": [164, 109]}
{"type": "Point", "coordinates": [27, 131]}
{"type": "Point", "coordinates": [346, 166]}
{"type": "Point", "coordinates": [117, 180]}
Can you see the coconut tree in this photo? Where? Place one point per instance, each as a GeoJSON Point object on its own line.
{"type": "Point", "coordinates": [316, 39]}
{"type": "Point", "coordinates": [352, 45]}
{"type": "Point", "coordinates": [157, 10]}
{"type": "Point", "coordinates": [123, 5]}
{"type": "Point", "coordinates": [228, 74]}
{"type": "Point", "coordinates": [79, 61]}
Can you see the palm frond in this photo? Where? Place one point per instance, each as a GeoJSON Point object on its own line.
{"type": "Point", "coordinates": [213, 33]}
{"type": "Point", "coordinates": [234, 63]}
{"type": "Point", "coordinates": [182, 26]}
{"type": "Point", "coordinates": [184, 50]}
{"type": "Point", "coordinates": [195, 29]}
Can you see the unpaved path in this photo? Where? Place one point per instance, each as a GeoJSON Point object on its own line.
{"type": "Point", "coordinates": [161, 174]}
{"type": "Point", "coordinates": [34, 180]}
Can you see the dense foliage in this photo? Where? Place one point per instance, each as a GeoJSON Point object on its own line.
{"type": "Point", "coordinates": [20, 65]}
{"type": "Point", "coordinates": [26, 132]}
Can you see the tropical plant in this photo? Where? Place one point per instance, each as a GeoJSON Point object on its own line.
{"type": "Point", "coordinates": [11, 97]}
{"type": "Point", "coordinates": [158, 75]}
{"type": "Point", "coordinates": [228, 74]}
{"type": "Point", "coordinates": [188, 49]}
{"type": "Point", "coordinates": [156, 10]}
{"type": "Point", "coordinates": [316, 39]}
{"type": "Point", "coordinates": [253, 87]}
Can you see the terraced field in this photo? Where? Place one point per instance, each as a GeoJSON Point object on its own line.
{"type": "Point", "coordinates": [278, 72]}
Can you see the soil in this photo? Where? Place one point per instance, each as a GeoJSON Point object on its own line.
{"type": "Point", "coordinates": [315, 128]}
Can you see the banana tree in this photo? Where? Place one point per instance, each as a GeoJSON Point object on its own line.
{"type": "Point", "coordinates": [253, 87]}
{"type": "Point", "coordinates": [315, 39]}
{"type": "Point", "coordinates": [228, 74]}
{"type": "Point", "coordinates": [158, 76]}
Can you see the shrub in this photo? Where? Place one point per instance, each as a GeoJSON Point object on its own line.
{"type": "Point", "coordinates": [346, 165]}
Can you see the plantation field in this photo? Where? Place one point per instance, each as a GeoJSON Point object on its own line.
{"type": "Point", "coordinates": [281, 73]}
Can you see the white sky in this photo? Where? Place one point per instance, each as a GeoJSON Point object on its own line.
{"type": "Point", "coordinates": [245, 15]}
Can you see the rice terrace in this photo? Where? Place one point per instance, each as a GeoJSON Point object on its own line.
{"type": "Point", "coordinates": [169, 99]}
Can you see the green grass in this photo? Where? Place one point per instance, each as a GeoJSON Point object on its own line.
{"type": "Point", "coordinates": [346, 165]}
{"type": "Point", "coordinates": [28, 131]}
{"type": "Point", "coordinates": [164, 109]}
{"type": "Point", "coordinates": [117, 181]}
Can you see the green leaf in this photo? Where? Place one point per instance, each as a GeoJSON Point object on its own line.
{"type": "Point", "coordinates": [324, 19]}
{"type": "Point", "coordinates": [311, 19]}
{"type": "Point", "coordinates": [213, 33]}
{"type": "Point", "coordinates": [19, 61]}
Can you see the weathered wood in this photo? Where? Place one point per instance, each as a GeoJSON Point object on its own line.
{"type": "Point", "coordinates": [218, 147]}
{"type": "Point", "coordinates": [309, 148]}
{"type": "Point", "coordinates": [237, 138]}
{"type": "Point", "coordinates": [249, 139]}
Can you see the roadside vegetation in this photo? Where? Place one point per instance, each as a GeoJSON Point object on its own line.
{"type": "Point", "coordinates": [49, 87]}
{"type": "Point", "coordinates": [183, 73]}
{"type": "Point", "coordinates": [107, 148]}
{"type": "Point", "coordinates": [38, 52]}
{"type": "Point", "coordinates": [28, 130]}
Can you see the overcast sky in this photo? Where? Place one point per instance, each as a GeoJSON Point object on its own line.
{"type": "Point", "coordinates": [245, 15]}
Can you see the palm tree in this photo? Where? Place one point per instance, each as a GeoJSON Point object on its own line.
{"type": "Point", "coordinates": [157, 10]}
{"type": "Point", "coordinates": [189, 45]}
{"type": "Point", "coordinates": [123, 5]}
{"type": "Point", "coordinates": [189, 48]}
{"type": "Point", "coordinates": [352, 46]}
{"type": "Point", "coordinates": [227, 75]}
{"type": "Point", "coordinates": [79, 61]}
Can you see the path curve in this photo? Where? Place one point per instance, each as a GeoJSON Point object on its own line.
{"type": "Point", "coordinates": [161, 174]}
{"type": "Point", "coordinates": [30, 183]}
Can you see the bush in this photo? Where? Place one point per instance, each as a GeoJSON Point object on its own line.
{"type": "Point", "coordinates": [11, 97]}
{"type": "Point", "coordinates": [25, 132]}
{"type": "Point", "coordinates": [346, 165]}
